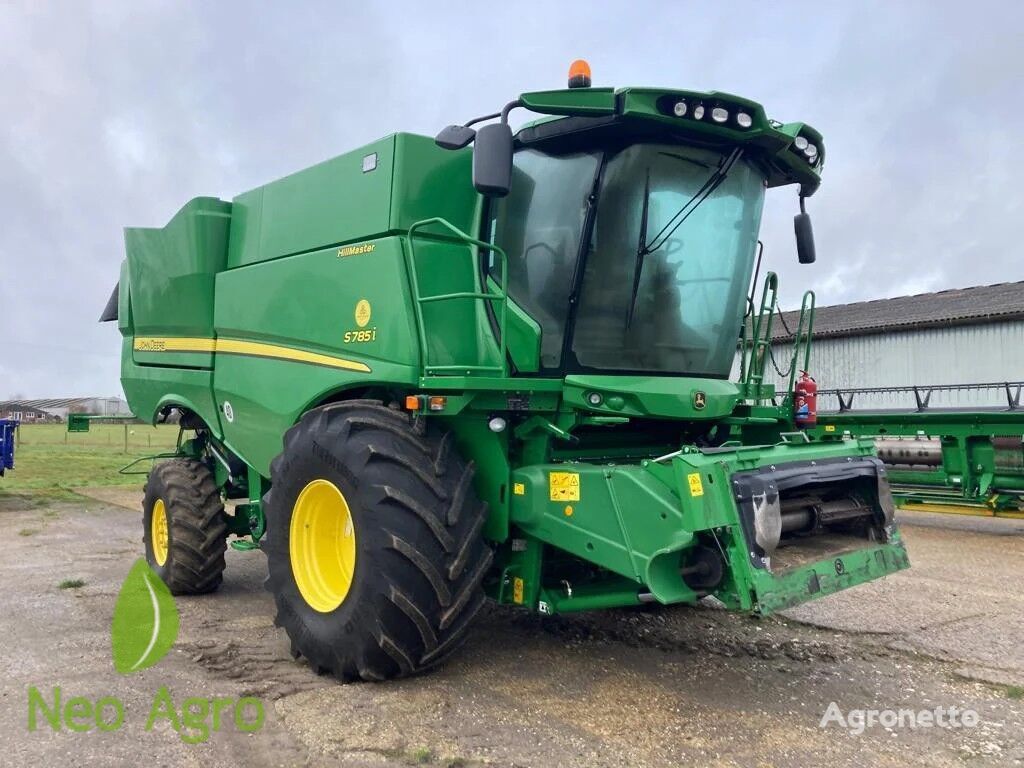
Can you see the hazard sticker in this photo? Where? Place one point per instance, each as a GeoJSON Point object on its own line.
{"type": "Point", "coordinates": [519, 489]}
{"type": "Point", "coordinates": [830, 427]}
{"type": "Point", "coordinates": [564, 486]}
{"type": "Point", "coordinates": [696, 486]}
{"type": "Point", "coordinates": [517, 590]}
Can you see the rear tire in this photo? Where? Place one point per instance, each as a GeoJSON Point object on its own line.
{"type": "Point", "coordinates": [413, 584]}
{"type": "Point", "coordinates": [187, 549]}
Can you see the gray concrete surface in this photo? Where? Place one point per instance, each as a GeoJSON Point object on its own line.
{"type": "Point", "coordinates": [648, 687]}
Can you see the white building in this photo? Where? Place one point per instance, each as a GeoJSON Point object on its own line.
{"type": "Point", "coordinates": [59, 408]}
{"type": "Point", "coordinates": [963, 336]}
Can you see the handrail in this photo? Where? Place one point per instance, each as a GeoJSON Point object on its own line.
{"type": "Point", "coordinates": [419, 301]}
{"type": "Point", "coordinates": [752, 372]}
{"type": "Point", "coordinates": [803, 336]}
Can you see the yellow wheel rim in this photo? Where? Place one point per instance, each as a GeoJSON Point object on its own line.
{"type": "Point", "coordinates": [158, 532]}
{"type": "Point", "coordinates": [322, 545]}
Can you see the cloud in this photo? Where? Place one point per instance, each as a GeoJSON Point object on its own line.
{"type": "Point", "coordinates": [116, 113]}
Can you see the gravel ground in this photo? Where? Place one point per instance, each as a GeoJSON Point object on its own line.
{"type": "Point", "coordinates": [647, 687]}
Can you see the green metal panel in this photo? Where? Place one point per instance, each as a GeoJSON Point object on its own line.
{"type": "Point", "coordinates": [333, 202]}
{"type": "Point", "coordinates": [680, 397]}
{"type": "Point", "coordinates": [267, 396]}
{"type": "Point", "coordinates": [573, 101]}
{"type": "Point", "coordinates": [149, 388]}
{"type": "Point", "coordinates": [618, 517]}
{"type": "Point", "coordinates": [775, 593]}
{"type": "Point", "coordinates": [490, 452]}
{"type": "Point", "coordinates": [430, 182]}
{"type": "Point", "coordinates": [171, 270]}
{"type": "Point", "coordinates": [124, 305]}
{"type": "Point", "coordinates": [524, 337]}
{"type": "Point", "coordinates": [382, 187]}
{"type": "Point", "coordinates": [309, 303]}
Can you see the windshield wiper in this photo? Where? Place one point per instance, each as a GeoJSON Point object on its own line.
{"type": "Point", "coordinates": [707, 188]}
{"type": "Point", "coordinates": [643, 248]}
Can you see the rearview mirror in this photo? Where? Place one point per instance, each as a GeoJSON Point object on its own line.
{"type": "Point", "coordinates": [804, 238]}
{"type": "Point", "coordinates": [492, 160]}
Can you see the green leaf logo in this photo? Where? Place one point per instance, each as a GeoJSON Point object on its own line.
{"type": "Point", "coordinates": [145, 622]}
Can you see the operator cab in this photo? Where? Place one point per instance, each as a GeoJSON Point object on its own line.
{"type": "Point", "coordinates": [630, 220]}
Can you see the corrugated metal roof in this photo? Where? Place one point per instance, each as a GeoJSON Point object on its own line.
{"type": "Point", "coordinates": [959, 306]}
{"type": "Point", "coordinates": [55, 402]}
{"type": "Point", "coordinates": [60, 402]}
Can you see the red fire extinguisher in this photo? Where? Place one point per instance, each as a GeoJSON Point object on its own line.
{"type": "Point", "coordinates": [805, 401]}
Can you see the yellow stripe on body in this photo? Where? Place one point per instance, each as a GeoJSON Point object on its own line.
{"type": "Point", "coordinates": [245, 348]}
{"type": "Point", "coordinates": [256, 349]}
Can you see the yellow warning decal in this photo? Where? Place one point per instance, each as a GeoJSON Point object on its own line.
{"type": "Point", "coordinates": [696, 486]}
{"type": "Point", "coordinates": [519, 489]}
{"type": "Point", "coordinates": [517, 590]}
{"type": "Point", "coordinates": [830, 427]}
{"type": "Point", "coordinates": [564, 486]}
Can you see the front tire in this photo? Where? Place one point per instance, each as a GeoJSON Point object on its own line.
{"type": "Point", "coordinates": [374, 544]}
{"type": "Point", "coordinates": [184, 527]}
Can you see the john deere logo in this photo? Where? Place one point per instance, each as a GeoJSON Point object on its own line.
{"type": "Point", "coordinates": [699, 400]}
{"type": "Point", "coordinates": [362, 313]}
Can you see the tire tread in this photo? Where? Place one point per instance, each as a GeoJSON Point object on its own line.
{"type": "Point", "coordinates": [198, 528]}
{"type": "Point", "coordinates": [417, 605]}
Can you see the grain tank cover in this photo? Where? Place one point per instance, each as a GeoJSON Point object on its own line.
{"type": "Point", "coordinates": [171, 270]}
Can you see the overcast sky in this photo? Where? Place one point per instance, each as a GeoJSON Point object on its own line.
{"type": "Point", "coordinates": [114, 114]}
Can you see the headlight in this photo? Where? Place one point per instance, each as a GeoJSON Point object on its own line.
{"type": "Point", "coordinates": [800, 143]}
{"type": "Point", "coordinates": [744, 120]}
{"type": "Point", "coordinates": [698, 112]}
{"type": "Point", "coordinates": [679, 109]}
{"type": "Point", "coordinates": [811, 151]}
{"type": "Point", "coordinates": [719, 114]}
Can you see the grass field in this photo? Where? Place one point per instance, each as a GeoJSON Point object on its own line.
{"type": "Point", "coordinates": [48, 456]}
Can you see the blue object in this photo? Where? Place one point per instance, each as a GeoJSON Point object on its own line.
{"type": "Point", "coordinates": [7, 427]}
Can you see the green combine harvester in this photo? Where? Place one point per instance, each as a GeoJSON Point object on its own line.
{"type": "Point", "coordinates": [422, 374]}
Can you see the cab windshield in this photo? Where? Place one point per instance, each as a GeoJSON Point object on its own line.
{"type": "Point", "coordinates": [669, 300]}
